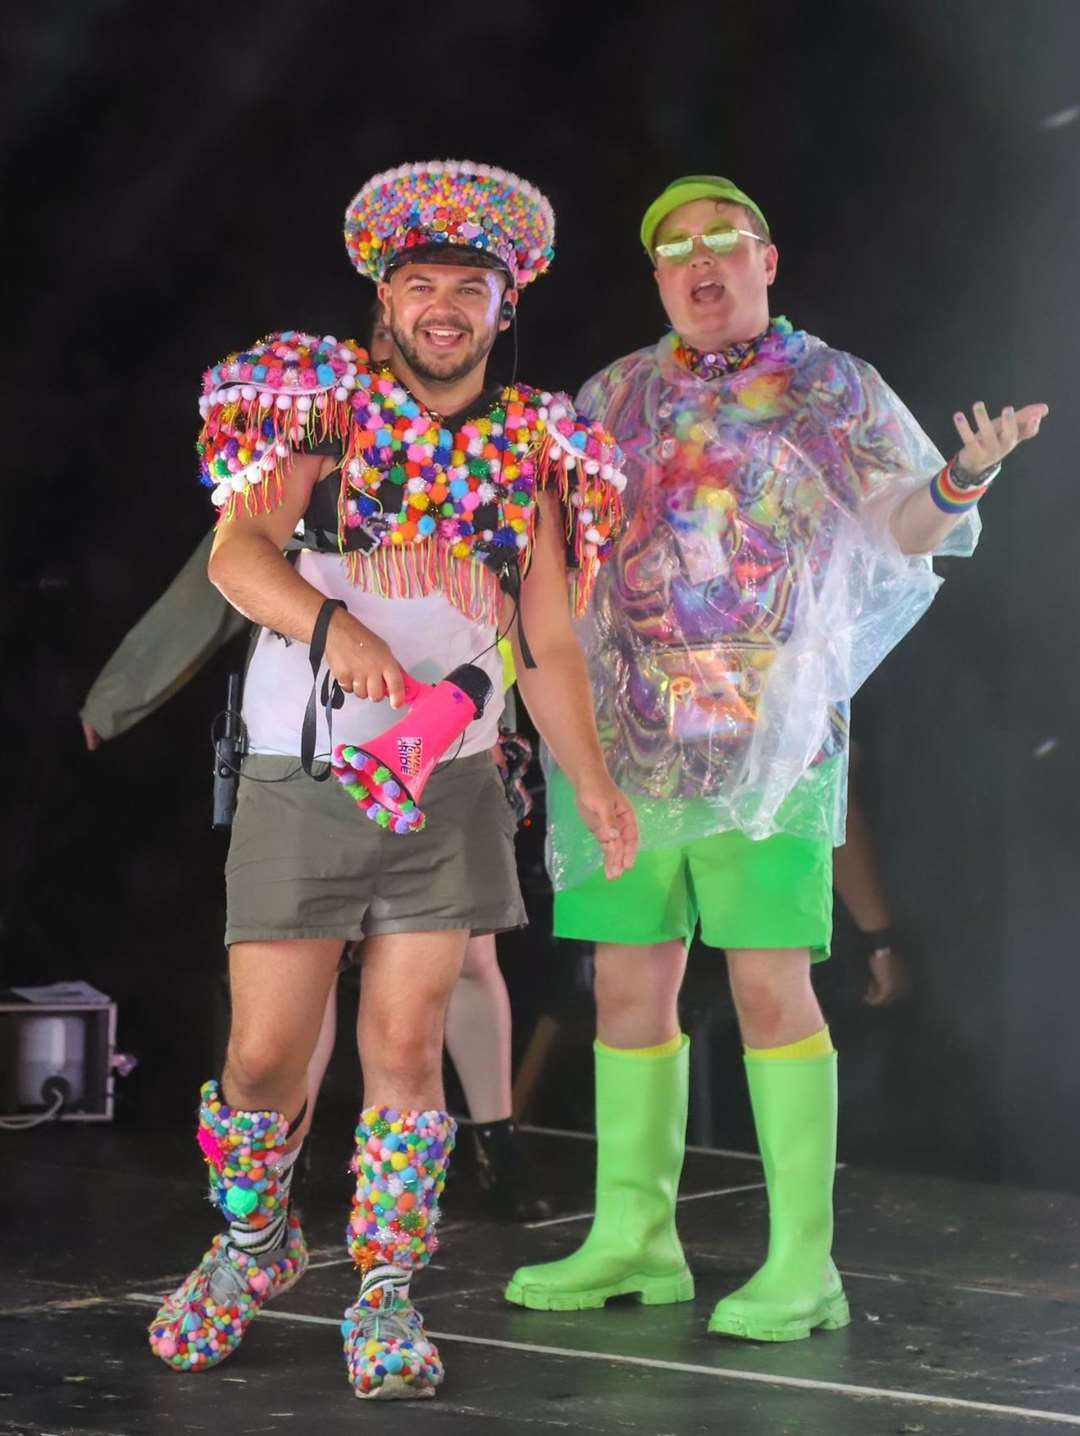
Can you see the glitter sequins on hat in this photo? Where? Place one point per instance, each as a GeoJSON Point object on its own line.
{"type": "Point", "coordinates": [453, 202]}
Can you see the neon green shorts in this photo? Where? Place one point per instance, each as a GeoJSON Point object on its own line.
{"type": "Point", "coordinates": [773, 893]}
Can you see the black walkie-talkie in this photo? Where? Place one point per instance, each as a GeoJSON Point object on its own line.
{"type": "Point", "coordinates": [228, 751]}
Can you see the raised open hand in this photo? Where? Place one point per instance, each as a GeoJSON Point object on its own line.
{"type": "Point", "coordinates": [992, 440]}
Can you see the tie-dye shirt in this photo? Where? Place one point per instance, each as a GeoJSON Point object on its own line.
{"type": "Point", "coordinates": [754, 588]}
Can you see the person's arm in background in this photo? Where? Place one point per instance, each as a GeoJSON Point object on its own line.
{"type": "Point", "coordinates": [169, 644]}
{"type": "Point", "coordinates": [860, 885]}
{"type": "Point", "coordinates": [558, 695]}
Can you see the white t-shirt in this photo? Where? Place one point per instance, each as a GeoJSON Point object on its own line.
{"type": "Point", "coordinates": [428, 636]}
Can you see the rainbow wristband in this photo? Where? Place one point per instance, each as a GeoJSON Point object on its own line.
{"type": "Point", "coordinates": [949, 496]}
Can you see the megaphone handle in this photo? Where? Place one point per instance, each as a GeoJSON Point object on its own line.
{"type": "Point", "coordinates": [413, 689]}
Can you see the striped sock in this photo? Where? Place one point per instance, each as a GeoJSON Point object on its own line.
{"type": "Point", "coordinates": [258, 1241]}
{"type": "Point", "coordinates": [384, 1284]}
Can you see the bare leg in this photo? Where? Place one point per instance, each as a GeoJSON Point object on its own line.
{"type": "Point", "coordinates": [279, 998]}
{"type": "Point", "coordinates": [405, 990]}
{"type": "Point", "coordinates": [773, 995]}
{"type": "Point", "coordinates": [478, 1032]}
{"type": "Point", "coordinates": [320, 1058]}
{"type": "Point", "coordinates": [637, 993]}
{"type": "Point", "coordinates": [478, 1038]}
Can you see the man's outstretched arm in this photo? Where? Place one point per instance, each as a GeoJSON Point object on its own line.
{"type": "Point", "coordinates": [923, 521]}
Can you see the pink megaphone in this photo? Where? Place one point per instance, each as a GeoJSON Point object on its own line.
{"type": "Point", "coordinates": [387, 775]}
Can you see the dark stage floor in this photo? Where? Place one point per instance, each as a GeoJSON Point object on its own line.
{"type": "Point", "coordinates": [965, 1298]}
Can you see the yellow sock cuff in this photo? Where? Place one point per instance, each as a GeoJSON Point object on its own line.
{"type": "Point", "coordinates": [665, 1049]}
{"type": "Point", "coordinates": [818, 1044]}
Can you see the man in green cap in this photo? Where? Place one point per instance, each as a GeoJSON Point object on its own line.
{"type": "Point", "coordinates": [783, 506]}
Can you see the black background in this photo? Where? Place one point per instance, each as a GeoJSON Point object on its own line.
{"type": "Point", "coordinates": [174, 183]}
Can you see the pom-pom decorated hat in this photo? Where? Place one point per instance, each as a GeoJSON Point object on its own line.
{"type": "Point", "coordinates": [454, 202]}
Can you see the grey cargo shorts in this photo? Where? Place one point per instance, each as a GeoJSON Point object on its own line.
{"type": "Point", "coordinates": [304, 861]}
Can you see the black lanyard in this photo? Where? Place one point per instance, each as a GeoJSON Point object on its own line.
{"type": "Point", "coordinates": [331, 697]}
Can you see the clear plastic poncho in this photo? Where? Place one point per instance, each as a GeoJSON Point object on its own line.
{"type": "Point", "coordinates": [755, 587]}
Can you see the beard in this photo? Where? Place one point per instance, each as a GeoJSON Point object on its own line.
{"type": "Point", "coordinates": [442, 369]}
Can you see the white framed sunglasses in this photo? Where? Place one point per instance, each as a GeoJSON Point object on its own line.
{"type": "Point", "coordinates": [720, 239]}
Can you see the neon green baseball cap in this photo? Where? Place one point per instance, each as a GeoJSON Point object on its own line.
{"type": "Point", "coordinates": [684, 191]}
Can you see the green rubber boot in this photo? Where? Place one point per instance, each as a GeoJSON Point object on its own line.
{"type": "Point", "coordinates": [632, 1247]}
{"type": "Point", "coordinates": [798, 1289]}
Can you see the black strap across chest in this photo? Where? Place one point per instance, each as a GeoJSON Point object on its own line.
{"type": "Point", "coordinates": [331, 697]}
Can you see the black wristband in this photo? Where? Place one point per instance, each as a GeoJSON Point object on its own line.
{"type": "Point", "coordinates": [963, 480]}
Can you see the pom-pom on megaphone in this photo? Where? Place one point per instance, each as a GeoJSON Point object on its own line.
{"type": "Point", "coordinates": [387, 775]}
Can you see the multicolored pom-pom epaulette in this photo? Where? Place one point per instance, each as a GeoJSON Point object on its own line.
{"type": "Point", "coordinates": [418, 502]}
